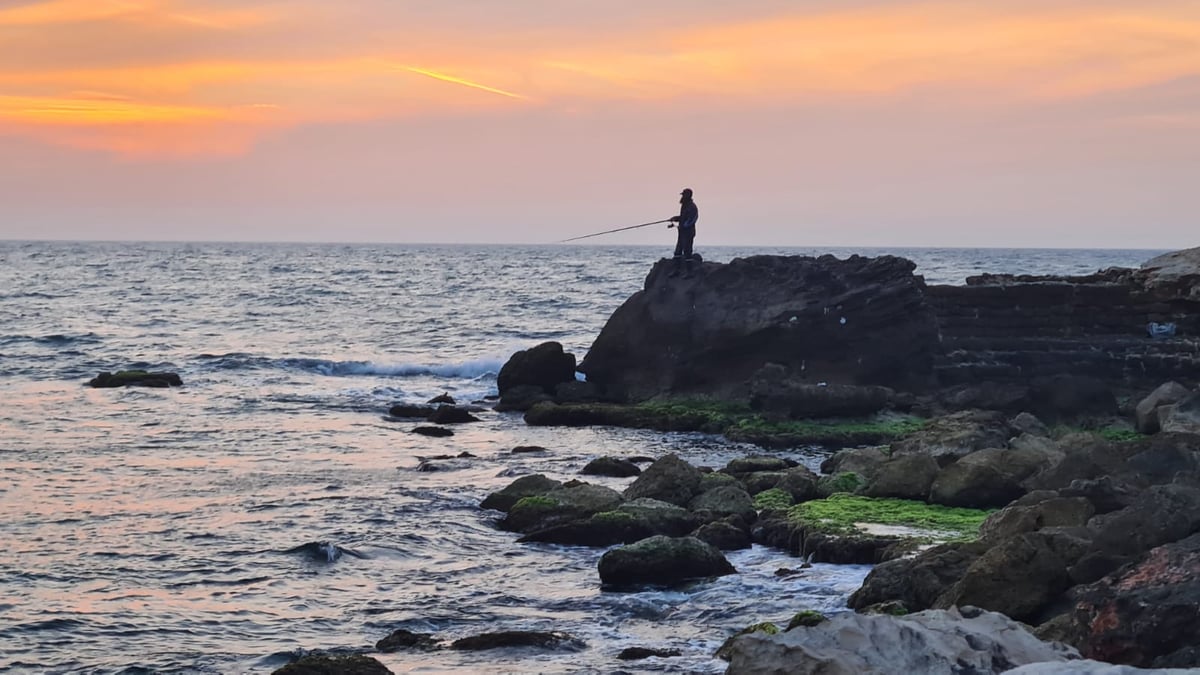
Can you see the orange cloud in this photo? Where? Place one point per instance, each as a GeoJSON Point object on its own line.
{"type": "Point", "coordinates": [1004, 53]}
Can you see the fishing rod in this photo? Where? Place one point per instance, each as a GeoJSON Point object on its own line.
{"type": "Point", "coordinates": [619, 229]}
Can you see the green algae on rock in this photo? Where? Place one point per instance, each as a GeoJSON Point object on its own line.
{"type": "Point", "coordinates": [849, 514]}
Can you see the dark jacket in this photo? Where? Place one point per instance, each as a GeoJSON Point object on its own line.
{"type": "Point", "coordinates": [688, 214]}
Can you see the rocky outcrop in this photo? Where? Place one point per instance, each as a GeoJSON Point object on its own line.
{"type": "Point", "coordinates": [931, 642]}
{"type": "Point", "coordinates": [327, 664]}
{"type": "Point", "coordinates": [669, 479]}
{"type": "Point", "coordinates": [861, 321]}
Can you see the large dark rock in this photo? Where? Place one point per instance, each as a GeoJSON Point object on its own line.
{"type": "Point", "coordinates": [917, 582]}
{"type": "Point", "coordinates": [663, 518]}
{"type": "Point", "coordinates": [953, 436]}
{"type": "Point", "coordinates": [988, 478]}
{"type": "Point", "coordinates": [545, 366]}
{"type": "Point", "coordinates": [1158, 515]}
{"type": "Point", "coordinates": [559, 506]}
{"type": "Point", "coordinates": [662, 561]}
{"type": "Point", "coordinates": [903, 477]}
{"type": "Point", "coordinates": [855, 321]}
{"type": "Point", "coordinates": [525, 486]}
{"type": "Point", "coordinates": [406, 639]}
{"type": "Point", "coordinates": [670, 479]}
{"type": "Point", "coordinates": [611, 466]}
{"type": "Point", "coordinates": [601, 529]}
{"type": "Point", "coordinates": [1146, 414]}
{"type": "Point", "coordinates": [727, 500]}
{"type": "Point", "coordinates": [449, 414]}
{"type": "Point", "coordinates": [1183, 416]}
{"type": "Point", "coordinates": [1147, 614]}
{"type": "Point", "coordinates": [1019, 576]}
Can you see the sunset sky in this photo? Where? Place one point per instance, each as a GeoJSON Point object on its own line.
{"type": "Point", "coordinates": [806, 122]}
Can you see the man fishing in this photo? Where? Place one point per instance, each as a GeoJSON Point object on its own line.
{"type": "Point", "coordinates": [688, 215]}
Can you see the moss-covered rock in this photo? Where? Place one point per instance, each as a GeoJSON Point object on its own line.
{"type": "Point", "coordinates": [669, 479]}
{"type": "Point", "coordinates": [766, 628]}
{"type": "Point", "coordinates": [601, 529]}
{"type": "Point", "coordinates": [662, 561]}
{"type": "Point", "coordinates": [568, 503]}
{"type": "Point", "coordinates": [845, 482]}
{"type": "Point", "coordinates": [805, 619]}
{"type": "Point", "coordinates": [846, 528]}
{"type": "Point", "coordinates": [774, 498]}
{"type": "Point", "coordinates": [725, 535]}
{"type": "Point", "coordinates": [525, 486]}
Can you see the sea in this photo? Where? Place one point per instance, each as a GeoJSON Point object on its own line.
{"type": "Point", "coordinates": [148, 530]}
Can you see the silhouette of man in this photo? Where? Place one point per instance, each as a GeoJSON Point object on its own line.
{"type": "Point", "coordinates": [688, 215]}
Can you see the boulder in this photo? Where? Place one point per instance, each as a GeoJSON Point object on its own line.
{"type": "Point", "coordinates": [1018, 518]}
{"type": "Point", "coordinates": [561, 505]}
{"type": "Point", "coordinates": [1018, 576]}
{"type": "Point", "coordinates": [988, 478]}
{"type": "Point", "coordinates": [525, 486]}
{"type": "Point", "coordinates": [917, 582]}
{"type": "Point", "coordinates": [663, 518]}
{"type": "Point", "coordinates": [662, 561]}
{"type": "Point", "coordinates": [544, 366]}
{"type": "Point", "coordinates": [1165, 457]}
{"type": "Point", "coordinates": [756, 464]}
{"type": "Point", "coordinates": [601, 529]}
{"type": "Point", "coordinates": [615, 467]}
{"type": "Point", "coordinates": [860, 321]}
{"type": "Point", "coordinates": [670, 479]}
{"type": "Point", "coordinates": [1183, 416]}
{"type": "Point", "coordinates": [861, 461]}
{"type": "Point", "coordinates": [449, 414]}
{"type": "Point", "coordinates": [724, 535]}
{"type": "Point", "coordinates": [444, 397]}
{"type": "Point", "coordinates": [1081, 456]}
{"type": "Point", "coordinates": [903, 477]}
{"type": "Point", "coordinates": [728, 500]}
{"type": "Point", "coordinates": [1146, 613]}
{"type": "Point", "coordinates": [800, 483]}
{"type": "Point", "coordinates": [1146, 413]}
{"type": "Point", "coordinates": [932, 642]}
{"type": "Point", "coordinates": [954, 436]}
{"type": "Point", "coordinates": [1008, 397]}
{"type": "Point", "coordinates": [1028, 423]}
{"type": "Point", "coordinates": [1158, 515]}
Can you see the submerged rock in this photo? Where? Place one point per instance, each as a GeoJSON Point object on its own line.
{"type": "Point", "coordinates": [611, 466]}
{"type": "Point", "coordinates": [136, 378]}
{"type": "Point", "coordinates": [433, 432]}
{"type": "Point", "coordinates": [520, 638]}
{"type": "Point", "coordinates": [326, 664]}
{"type": "Point", "coordinates": [406, 639]}
{"type": "Point", "coordinates": [449, 414]}
{"type": "Point", "coordinates": [638, 653]}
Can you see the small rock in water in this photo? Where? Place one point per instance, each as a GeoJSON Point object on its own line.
{"type": "Point", "coordinates": [325, 664]}
{"type": "Point", "coordinates": [443, 398]}
{"type": "Point", "coordinates": [520, 638]}
{"type": "Point", "coordinates": [413, 411]}
{"type": "Point", "coordinates": [448, 414]}
{"type": "Point", "coordinates": [405, 639]}
{"type": "Point", "coordinates": [524, 449]}
{"type": "Point", "coordinates": [611, 466]}
{"type": "Point", "coordinates": [136, 378]}
{"type": "Point", "coordinates": [637, 653]}
{"type": "Point", "coordinates": [436, 432]}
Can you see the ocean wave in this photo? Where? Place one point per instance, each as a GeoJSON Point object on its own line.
{"type": "Point", "coordinates": [475, 369]}
{"type": "Point", "coordinates": [52, 340]}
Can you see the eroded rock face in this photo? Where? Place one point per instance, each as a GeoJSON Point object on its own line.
{"type": "Point", "coordinates": [855, 321]}
{"type": "Point", "coordinates": [1146, 413]}
{"type": "Point", "coordinates": [949, 438]}
{"type": "Point", "coordinates": [933, 642]}
{"type": "Point", "coordinates": [917, 582]}
{"type": "Point", "coordinates": [1146, 614]}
